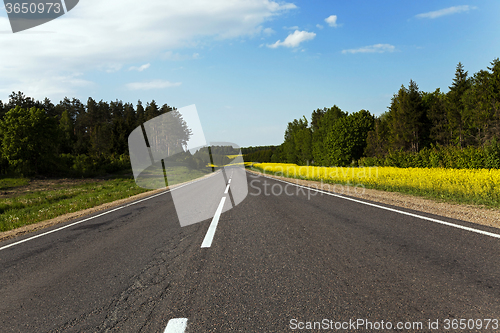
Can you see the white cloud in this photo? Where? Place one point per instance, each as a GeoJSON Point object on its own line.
{"type": "Point", "coordinates": [319, 26]}
{"type": "Point", "coordinates": [377, 48]}
{"type": "Point", "coordinates": [49, 86]}
{"type": "Point", "coordinates": [332, 20]}
{"type": "Point", "coordinates": [445, 11]}
{"type": "Point", "coordinates": [154, 84]}
{"type": "Point", "coordinates": [174, 56]}
{"type": "Point", "coordinates": [268, 31]}
{"type": "Point", "coordinates": [294, 39]}
{"type": "Point", "coordinates": [140, 68]}
{"type": "Point", "coordinates": [113, 68]}
{"type": "Point", "coordinates": [104, 35]}
{"type": "Point", "coordinates": [295, 27]}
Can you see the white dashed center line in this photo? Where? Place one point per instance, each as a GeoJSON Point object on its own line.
{"type": "Point", "coordinates": [207, 242]}
{"type": "Point", "coordinates": [176, 325]}
{"type": "Point", "coordinates": [209, 237]}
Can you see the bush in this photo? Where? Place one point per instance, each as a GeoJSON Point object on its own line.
{"type": "Point", "coordinates": [487, 157]}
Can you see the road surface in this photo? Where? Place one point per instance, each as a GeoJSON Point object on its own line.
{"type": "Point", "coordinates": [281, 260]}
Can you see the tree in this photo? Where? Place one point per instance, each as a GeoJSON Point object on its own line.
{"type": "Point", "coordinates": [81, 130]}
{"type": "Point", "coordinates": [303, 141]}
{"type": "Point", "coordinates": [20, 99]}
{"type": "Point", "coordinates": [49, 108]}
{"type": "Point", "coordinates": [100, 143]}
{"type": "Point", "coordinates": [495, 96]}
{"type": "Point", "coordinates": [166, 108]}
{"type": "Point", "coordinates": [377, 140]}
{"type": "Point", "coordinates": [120, 133]}
{"type": "Point", "coordinates": [130, 119]}
{"type": "Point", "coordinates": [140, 114]}
{"type": "Point", "coordinates": [99, 128]}
{"type": "Point", "coordinates": [28, 139]}
{"type": "Point", "coordinates": [2, 109]}
{"type": "Point", "coordinates": [322, 122]}
{"type": "Point", "coordinates": [346, 141]}
{"type": "Point", "coordinates": [297, 145]}
{"type": "Point", "coordinates": [409, 124]}
{"type": "Point", "coordinates": [152, 110]}
{"type": "Point", "coordinates": [435, 105]}
{"type": "Point", "coordinates": [455, 105]}
{"type": "Point", "coordinates": [66, 130]}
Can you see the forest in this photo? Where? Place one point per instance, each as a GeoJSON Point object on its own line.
{"type": "Point", "coordinates": [76, 139]}
{"type": "Point", "coordinates": [70, 138]}
{"type": "Point", "coordinates": [456, 129]}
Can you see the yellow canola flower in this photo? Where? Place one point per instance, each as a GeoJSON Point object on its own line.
{"type": "Point", "coordinates": [470, 183]}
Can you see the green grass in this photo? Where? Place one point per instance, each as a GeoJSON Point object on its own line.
{"type": "Point", "coordinates": [6, 183]}
{"type": "Point", "coordinates": [176, 175]}
{"type": "Point", "coordinates": [29, 208]}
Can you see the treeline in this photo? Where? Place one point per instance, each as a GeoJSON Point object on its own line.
{"type": "Point", "coordinates": [71, 138]}
{"type": "Point", "coordinates": [457, 129]}
{"type": "Point", "coordinates": [260, 154]}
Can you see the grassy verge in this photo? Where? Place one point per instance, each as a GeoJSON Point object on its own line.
{"type": "Point", "coordinates": [26, 201]}
{"type": "Point", "coordinates": [28, 207]}
{"type": "Point", "coordinates": [8, 183]}
{"type": "Point", "coordinates": [474, 187]}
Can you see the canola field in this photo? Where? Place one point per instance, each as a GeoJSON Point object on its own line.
{"type": "Point", "coordinates": [474, 186]}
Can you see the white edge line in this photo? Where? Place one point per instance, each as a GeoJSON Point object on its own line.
{"type": "Point", "coordinates": [227, 189]}
{"type": "Point", "coordinates": [207, 241]}
{"type": "Point", "coordinates": [99, 215]}
{"type": "Point", "coordinates": [394, 210]}
{"type": "Point", "coordinates": [229, 181]}
{"type": "Point", "coordinates": [176, 325]}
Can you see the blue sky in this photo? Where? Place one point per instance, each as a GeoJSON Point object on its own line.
{"type": "Point", "coordinates": [250, 66]}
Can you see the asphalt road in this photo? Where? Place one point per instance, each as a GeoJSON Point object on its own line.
{"type": "Point", "coordinates": [276, 263]}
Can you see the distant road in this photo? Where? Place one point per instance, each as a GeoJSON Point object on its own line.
{"type": "Point", "coordinates": [275, 263]}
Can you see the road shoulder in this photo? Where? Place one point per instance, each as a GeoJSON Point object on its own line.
{"type": "Point", "coordinates": [469, 213]}
{"type": "Point", "coordinates": [73, 215]}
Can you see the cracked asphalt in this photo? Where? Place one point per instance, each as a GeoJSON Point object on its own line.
{"type": "Point", "coordinates": [275, 260]}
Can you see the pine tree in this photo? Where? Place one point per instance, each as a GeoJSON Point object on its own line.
{"type": "Point", "coordinates": [66, 130]}
{"type": "Point", "coordinates": [119, 130]}
{"type": "Point", "coordinates": [409, 124]}
{"type": "Point", "coordinates": [455, 105]}
{"type": "Point", "coordinates": [435, 106]}
{"type": "Point", "coordinates": [49, 108]}
{"type": "Point", "coordinates": [495, 96]}
{"type": "Point", "coordinates": [152, 110]}
{"type": "Point", "coordinates": [377, 140]}
{"type": "Point", "coordinates": [20, 99]}
{"type": "Point", "coordinates": [2, 110]}
{"type": "Point", "coordinates": [130, 118]}
{"type": "Point", "coordinates": [140, 114]}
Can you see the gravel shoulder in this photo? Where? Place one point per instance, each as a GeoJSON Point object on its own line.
{"type": "Point", "coordinates": [470, 213]}
{"type": "Point", "coordinates": [73, 215]}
